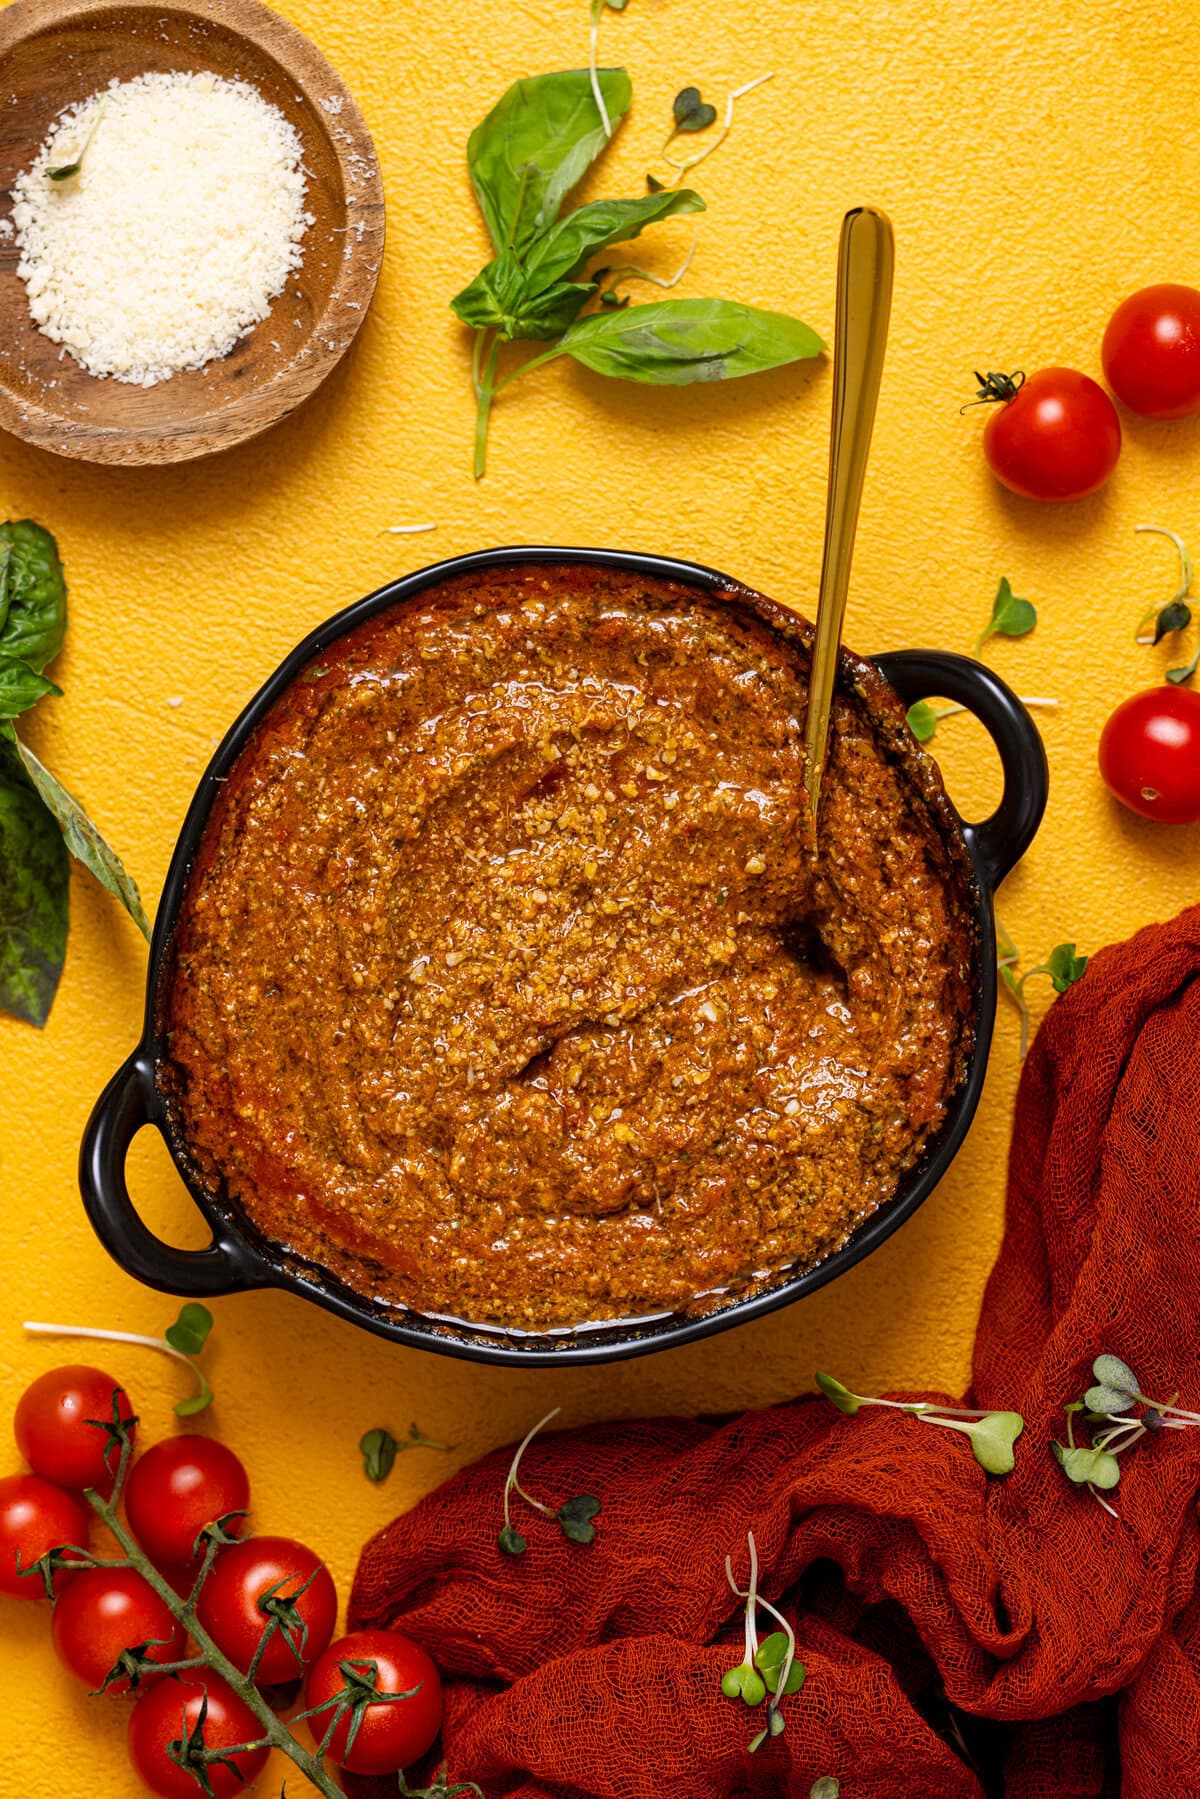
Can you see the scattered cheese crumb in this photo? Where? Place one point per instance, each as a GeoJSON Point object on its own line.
{"type": "Point", "coordinates": [183, 223]}
{"type": "Point", "coordinates": [175, 699]}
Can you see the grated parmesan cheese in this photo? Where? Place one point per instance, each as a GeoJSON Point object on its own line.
{"type": "Point", "coordinates": [182, 225]}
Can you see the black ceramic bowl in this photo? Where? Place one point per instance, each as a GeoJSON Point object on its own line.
{"type": "Point", "coordinates": [239, 1258]}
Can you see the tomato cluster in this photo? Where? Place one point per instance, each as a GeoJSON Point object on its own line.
{"type": "Point", "coordinates": [1056, 436]}
{"type": "Point", "coordinates": [267, 1603]}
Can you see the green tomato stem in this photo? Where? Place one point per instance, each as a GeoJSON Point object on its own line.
{"type": "Point", "coordinates": [485, 389]}
{"type": "Point", "coordinates": [276, 1735]}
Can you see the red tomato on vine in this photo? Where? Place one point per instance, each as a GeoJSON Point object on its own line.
{"type": "Point", "coordinates": [179, 1707]}
{"type": "Point", "coordinates": [100, 1614]}
{"type": "Point", "coordinates": [176, 1488]}
{"type": "Point", "coordinates": [36, 1516]}
{"type": "Point", "coordinates": [59, 1426]}
{"type": "Point", "coordinates": [265, 1579]}
{"type": "Point", "coordinates": [390, 1736]}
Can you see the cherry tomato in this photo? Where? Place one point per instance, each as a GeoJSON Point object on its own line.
{"type": "Point", "coordinates": [390, 1737]}
{"type": "Point", "coordinates": [55, 1432]}
{"type": "Point", "coordinates": [1150, 754]}
{"type": "Point", "coordinates": [1151, 351]}
{"type": "Point", "coordinates": [104, 1611]}
{"type": "Point", "coordinates": [158, 1721]}
{"type": "Point", "coordinates": [175, 1489]}
{"type": "Point", "coordinates": [233, 1606]}
{"type": "Point", "coordinates": [1057, 437]}
{"type": "Point", "coordinates": [36, 1516]}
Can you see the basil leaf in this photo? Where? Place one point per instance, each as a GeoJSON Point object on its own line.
{"type": "Point", "coordinates": [6, 557]}
{"type": "Point", "coordinates": [35, 617]}
{"type": "Point", "coordinates": [21, 688]}
{"type": "Point", "coordinates": [678, 341]}
{"type": "Point", "coordinates": [84, 840]}
{"type": "Point", "coordinates": [34, 882]}
{"type": "Point", "coordinates": [501, 298]}
{"type": "Point", "coordinates": [535, 145]}
{"type": "Point", "coordinates": [566, 246]}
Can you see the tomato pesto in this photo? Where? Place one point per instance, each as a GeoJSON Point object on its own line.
{"type": "Point", "coordinates": [511, 982]}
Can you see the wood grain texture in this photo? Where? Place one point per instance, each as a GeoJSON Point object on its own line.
{"type": "Point", "coordinates": [53, 54]}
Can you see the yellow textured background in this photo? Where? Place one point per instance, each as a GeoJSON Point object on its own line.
{"type": "Point", "coordinates": [1032, 160]}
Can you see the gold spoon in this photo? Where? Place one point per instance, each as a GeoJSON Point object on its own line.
{"type": "Point", "coordinates": [864, 302]}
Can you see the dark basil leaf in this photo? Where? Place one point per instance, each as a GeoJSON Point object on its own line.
{"type": "Point", "coordinates": [21, 688]}
{"type": "Point", "coordinates": [84, 840]}
{"type": "Point", "coordinates": [678, 341]}
{"type": "Point", "coordinates": [537, 142]}
{"type": "Point", "coordinates": [566, 246]}
{"type": "Point", "coordinates": [35, 618]}
{"type": "Point", "coordinates": [33, 894]}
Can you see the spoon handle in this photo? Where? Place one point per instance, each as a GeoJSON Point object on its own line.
{"type": "Point", "coordinates": [864, 302]}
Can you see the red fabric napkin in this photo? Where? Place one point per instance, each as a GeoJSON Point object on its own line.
{"type": "Point", "coordinates": [915, 1582]}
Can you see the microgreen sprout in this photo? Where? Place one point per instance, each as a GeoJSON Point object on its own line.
{"type": "Point", "coordinates": [380, 1448]}
{"type": "Point", "coordinates": [1109, 1413]}
{"type": "Point", "coordinates": [1011, 616]}
{"type": "Point", "coordinates": [923, 717]}
{"type": "Point", "coordinates": [699, 116]}
{"type": "Point", "coordinates": [1063, 966]}
{"type": "Point", "coordinates": [1176, 614]}
{"type": "Point", "coordinates": [630, 271]}
{"type": "Point", "coordinates": [574, 1515]}
{"type": "Point", "coordinates": [766, 1667]}
{"type": "Point", "coordinates": [691, 113]}
{"type": "Point", "coordinates": [183, 1340]}
{"type": "Point", "coordinates": [597, 13]}
{"type": "Point", "coordinates": [991, 1434]}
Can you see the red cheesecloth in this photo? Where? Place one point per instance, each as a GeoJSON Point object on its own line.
{"type": "Point", "coordinates": [915, 1582]}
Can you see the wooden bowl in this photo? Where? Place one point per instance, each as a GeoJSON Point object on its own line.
{"type": "Point", "coordinates": [56, 52]}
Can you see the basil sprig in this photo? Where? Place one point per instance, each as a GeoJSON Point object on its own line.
{"type": "Point", "coordinates": [41, 824]}
{"type": "Point", "coordinates": [525, 157]}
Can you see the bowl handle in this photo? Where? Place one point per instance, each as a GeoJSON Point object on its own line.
{"type": "Point", "coordinates": [127, 1103]}
{"type": "Point", "coordinates": [998, 842]}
